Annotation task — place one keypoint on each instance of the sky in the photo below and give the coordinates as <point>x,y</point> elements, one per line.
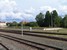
<point>26,10</point>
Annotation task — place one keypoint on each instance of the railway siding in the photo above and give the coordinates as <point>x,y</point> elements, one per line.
<point>46,41</point>
<point>3,47</point>
<point>18,31</point>
<point>30,43</point>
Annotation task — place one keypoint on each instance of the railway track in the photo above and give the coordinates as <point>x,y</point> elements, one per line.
<point>46,36</point>
<point>4,46</point>
<point>30,43</point>
<point>38,34</point>
<point>27,42</point>
<point>19,32</point>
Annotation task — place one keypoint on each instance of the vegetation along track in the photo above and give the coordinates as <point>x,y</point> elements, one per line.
<point>29,43</point>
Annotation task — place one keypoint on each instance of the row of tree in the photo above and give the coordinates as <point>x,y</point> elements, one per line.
<point>51,19</point>
<point>15,24</point>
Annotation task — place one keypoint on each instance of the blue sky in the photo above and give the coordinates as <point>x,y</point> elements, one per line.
<point>26,10</point>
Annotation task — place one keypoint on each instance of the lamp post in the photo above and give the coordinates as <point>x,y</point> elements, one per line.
<point>51,20</point>
<point>22,26</point>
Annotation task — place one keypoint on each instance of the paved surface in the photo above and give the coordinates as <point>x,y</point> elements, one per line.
<point>46,41</point>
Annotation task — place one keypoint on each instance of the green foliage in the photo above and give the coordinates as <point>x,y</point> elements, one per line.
<point>55,17</point>
<point>13,24</point>
<point>9,24</point>
<point>47,20</point>
<point>40,19</point>
<point>20,23</point>
<point>64,21</point>
<point>58,21</point>
<point>50,20</point>
<point>32,24</point>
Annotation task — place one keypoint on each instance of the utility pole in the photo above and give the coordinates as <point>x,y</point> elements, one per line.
<point>51,20</point>
<point>22,25</point>
<point>22,28</point>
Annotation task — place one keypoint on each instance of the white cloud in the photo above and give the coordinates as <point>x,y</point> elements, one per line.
<point>7,5</point>
<point>9,10</point>
<point>28,14</point>
<point>47,8</point>
<point>63,8</point>
<point>30,11</point>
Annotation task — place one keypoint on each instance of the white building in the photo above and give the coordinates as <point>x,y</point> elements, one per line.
<point>3,24</point>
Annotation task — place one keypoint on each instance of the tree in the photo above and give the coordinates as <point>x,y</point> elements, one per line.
<point>58,21</point>
<point>47,20</point>
<point>50,20</point>
<point>55,17</point>
<point>64,21</point>
<point>31,24</point>
<point>40,19</point>
<point>14,23</point>
<point>9,24</point>
<point>20,24</point>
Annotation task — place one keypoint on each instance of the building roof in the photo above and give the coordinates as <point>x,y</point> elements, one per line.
<point>2,22</point>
